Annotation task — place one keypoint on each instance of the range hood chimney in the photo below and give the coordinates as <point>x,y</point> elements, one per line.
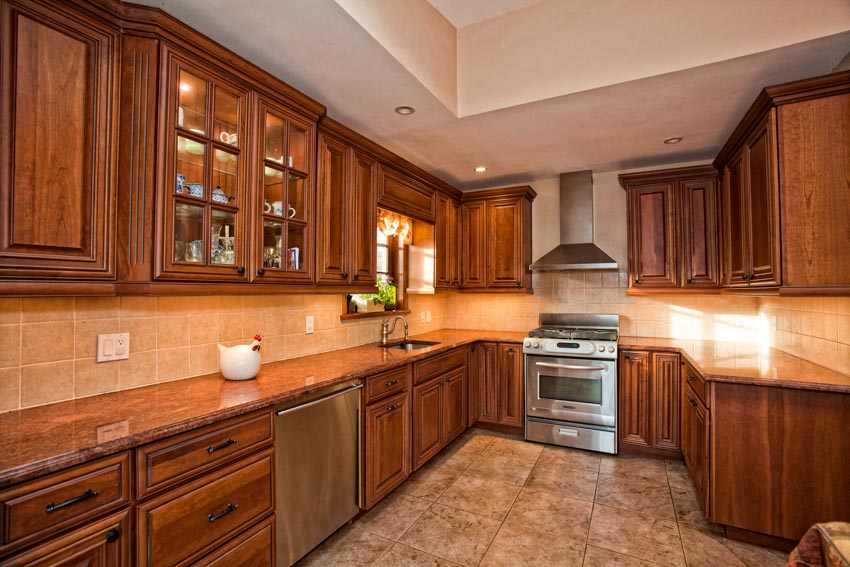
<point>577,250</point>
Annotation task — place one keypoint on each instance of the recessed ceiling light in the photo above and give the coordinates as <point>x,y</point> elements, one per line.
<point>405,110</point>
<point>480,169</point>
<point>673,140</point>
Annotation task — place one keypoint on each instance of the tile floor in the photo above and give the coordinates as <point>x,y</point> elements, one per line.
<point>492,500</point>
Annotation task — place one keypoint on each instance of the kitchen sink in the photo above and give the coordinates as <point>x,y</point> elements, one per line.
<point>409,345</point>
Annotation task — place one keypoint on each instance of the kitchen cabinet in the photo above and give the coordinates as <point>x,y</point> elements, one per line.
<point>496,239</point>
<point>439,403</point>
<point>649,402</point>
<point>454,402</point>
<point>427,421</point>
<point>387,436</point>
<point>58,90</point>
<point>695,442</point>
<point>447,235</point>
<point>485,368</point>
<point>347,211</point>
<point>672,229</point>
<point>403,194</point>
<point>511,387</point>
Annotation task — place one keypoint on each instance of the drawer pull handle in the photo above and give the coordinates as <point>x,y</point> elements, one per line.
<point>223,513</point>
<point>391,383</point>
<point>84,496</point>
<point>227,443</point>
<point>691,377</point>
<point>692,402</point>
<point>393,407</point>
<point>112,536</point>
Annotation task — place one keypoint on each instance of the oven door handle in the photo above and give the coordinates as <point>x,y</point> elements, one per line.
<point>569,366</point>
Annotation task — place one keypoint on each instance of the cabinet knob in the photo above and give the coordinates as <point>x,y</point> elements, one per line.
<point>638,280</point>
<point>691,377</point>
<point>393,407</point>
<point>356,276</point>
<point>692,402</point>
<point>690,280</point>
<point>240,270</point>
<point>112,536</point>
<point>261,272</point>
<point>345,275</point>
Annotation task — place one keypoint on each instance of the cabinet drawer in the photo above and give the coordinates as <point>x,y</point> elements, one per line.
<point>438,365</point>
<point>43,507</point>
<point>695,380</point>
<point>179,526</point>
<point>253,548</point>
<point>172,460</point>
<point>386,383</point>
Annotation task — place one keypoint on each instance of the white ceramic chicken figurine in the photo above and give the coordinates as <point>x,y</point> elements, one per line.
<point>240,362</point>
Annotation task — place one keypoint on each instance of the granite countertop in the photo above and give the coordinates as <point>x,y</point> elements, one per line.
<point>747,363</point>
<point>43,439</point>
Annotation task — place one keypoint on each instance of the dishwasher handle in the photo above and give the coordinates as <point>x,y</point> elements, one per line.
<point>318,401</point>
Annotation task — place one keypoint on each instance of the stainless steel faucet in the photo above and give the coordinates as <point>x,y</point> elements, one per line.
<point>386,331</point>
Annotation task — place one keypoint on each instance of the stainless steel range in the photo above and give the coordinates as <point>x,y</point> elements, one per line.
<point>571,381</point>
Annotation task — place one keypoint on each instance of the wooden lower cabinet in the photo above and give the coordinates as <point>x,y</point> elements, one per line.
<point>454,404</point>
<point>104,543</point>
<point>649,400</point>
<point>695,442</point>
<point>439,413</point>
<point>485,367</point>
<point>511,387</point>
<point>387,447</point>
<point>252,548</point>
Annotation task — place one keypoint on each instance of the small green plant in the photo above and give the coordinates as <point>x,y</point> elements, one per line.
<point>386,295</point>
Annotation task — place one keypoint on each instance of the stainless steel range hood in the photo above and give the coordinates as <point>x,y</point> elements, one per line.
<point>577,250</point>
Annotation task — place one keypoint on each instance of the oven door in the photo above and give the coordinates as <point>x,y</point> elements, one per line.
<point>581,390</point>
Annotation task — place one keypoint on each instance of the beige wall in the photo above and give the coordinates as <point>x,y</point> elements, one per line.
<point>49,345</point>
<point>814,328</point>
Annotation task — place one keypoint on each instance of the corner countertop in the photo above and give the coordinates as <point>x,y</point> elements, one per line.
<point>39,440</point>
<point>747,363</point>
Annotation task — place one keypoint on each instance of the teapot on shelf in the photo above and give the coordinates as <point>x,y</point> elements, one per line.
<point>240,362</point>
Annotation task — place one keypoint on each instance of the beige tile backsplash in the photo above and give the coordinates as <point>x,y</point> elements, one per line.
<point>49,344</point>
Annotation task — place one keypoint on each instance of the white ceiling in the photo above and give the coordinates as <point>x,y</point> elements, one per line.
<point>317,47</point>
<point>465,12</point>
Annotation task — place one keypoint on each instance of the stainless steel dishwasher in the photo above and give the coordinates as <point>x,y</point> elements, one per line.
<point>317,468</point>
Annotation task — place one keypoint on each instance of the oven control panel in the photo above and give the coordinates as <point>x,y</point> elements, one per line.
<point>571,347</point>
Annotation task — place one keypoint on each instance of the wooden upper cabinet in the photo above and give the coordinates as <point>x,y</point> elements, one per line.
<point>362,230</point>
<point>203,198</point>
<point>403,194</point>
<point>333,210</point>
<point>282,211</point>
<point>734,207</point>
<point>58,110</point>
<point>504,244</point>
<point>814,161</point>
<point>763,209</point>
<point>699,246</point>
<point>474,249</point>
<point>652,235</point>
<point>447,242</point>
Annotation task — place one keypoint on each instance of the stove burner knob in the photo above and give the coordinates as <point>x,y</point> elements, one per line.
<point>600,348</point>
<point>611,349</point>
<point>535,344</point>
<point>527,344</point>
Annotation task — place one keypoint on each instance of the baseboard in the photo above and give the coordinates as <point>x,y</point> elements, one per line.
<point>650,452</point>
<point>506,429</point>
<point>761,539</point>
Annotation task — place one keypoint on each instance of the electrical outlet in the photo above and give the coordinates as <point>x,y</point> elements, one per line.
<point>309,326</point>
<point>427,316</point>
<point>115,346</point>
<point>422,317</point>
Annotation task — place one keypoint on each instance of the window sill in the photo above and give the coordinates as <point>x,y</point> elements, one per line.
<point>349,316</point>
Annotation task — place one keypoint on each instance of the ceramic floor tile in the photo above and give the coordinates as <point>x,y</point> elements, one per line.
<point>348,546</point>
<point>571,458</point>
<point>598,557</point>
<point>491,498</point>
<point>452,534</point>
<point>552,513</point>
<point>677,475</point>
<point>635,494</point>
<point>561,480</point>
<point>501,467</point>
<point>639,535</point>
<point>393,515</point>
<point>687,508</point>
<point>457,457</point>
<point>634,467</point>
<point>515,448</point>
<point>706,549</point>
<point>429,482</point>
<point>475,439</point>
<point>515,545</point>
<point>402,556</point>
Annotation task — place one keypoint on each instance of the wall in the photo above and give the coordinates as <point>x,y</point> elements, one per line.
<point>50,344</point>
<point>814,328</point>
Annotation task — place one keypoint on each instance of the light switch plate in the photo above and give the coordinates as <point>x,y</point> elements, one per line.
<point>309,326</point>
<point>115,346</point>
<point>427,316</point>
<point>422,317</point>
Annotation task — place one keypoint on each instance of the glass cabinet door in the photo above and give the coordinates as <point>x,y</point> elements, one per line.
<point>286,196</point>
<point>205,187</point>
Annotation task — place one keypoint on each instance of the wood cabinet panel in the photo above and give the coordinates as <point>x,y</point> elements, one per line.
<point>405,195</point>
<point>427,421</point>
<point>104,543</point>
<point>814,161</point>
<point>362,231</point>
<point>504,244</point>
<point>387,445</point>
<point>473,388</point>
<point>699,232</point>
<point>333,208</point>
<point>58,89</point>
<point>439,364</point>
<point>212,509</point>
<point>696,381</point>
<point>454,404</point>
<point>652,236</point>
<point>763,210</point>
<point>37,509</point>
<point>736,253</point>
<point>666,401</point>
<point>634,398</point>
<point>253,548</point>
<point>487,368</point>
<point>473,257</point>
<point>447,242</point>
<point>385,384</point>
<point>511,388</point>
